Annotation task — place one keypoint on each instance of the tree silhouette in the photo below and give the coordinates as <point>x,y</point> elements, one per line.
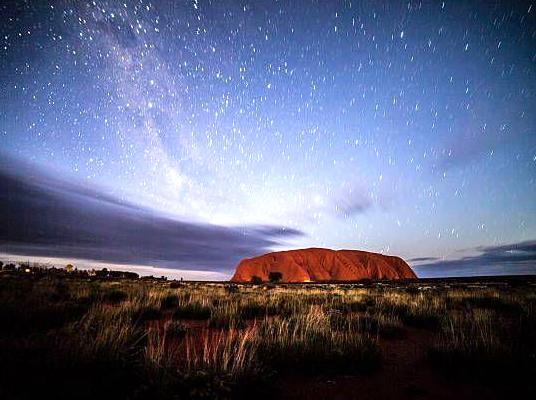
<point>275,277</point>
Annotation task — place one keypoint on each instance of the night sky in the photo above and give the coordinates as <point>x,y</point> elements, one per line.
<point>191,134</point>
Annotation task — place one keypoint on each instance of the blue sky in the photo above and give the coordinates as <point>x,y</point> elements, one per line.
<point>403,128</point>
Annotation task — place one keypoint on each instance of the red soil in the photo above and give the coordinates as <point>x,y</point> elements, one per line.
<point>309,265</point>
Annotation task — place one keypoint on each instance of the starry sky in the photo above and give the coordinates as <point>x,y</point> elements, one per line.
<point>407,128</point>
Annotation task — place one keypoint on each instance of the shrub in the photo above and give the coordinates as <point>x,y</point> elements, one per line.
<point>193,310</point>
<point>115,297</point>
<point>176,329</point>
<point>9,267</point>
<point>364,304</point>
<point>61,292</point>
<point>170,301</point>
<point>31,316</point>
<point>252,310</point>
<point>176,285</point>
<point>232,288</point>
<point>226,318</point>
<point>275,277</point>
<point>421,318</point>
<point>148,313</point>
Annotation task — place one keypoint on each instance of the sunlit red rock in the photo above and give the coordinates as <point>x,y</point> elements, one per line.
<point>316,265</point>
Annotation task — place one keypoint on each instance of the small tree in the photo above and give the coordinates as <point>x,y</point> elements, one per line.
<point>103,273</point>
<point>275,277</point>
<point>256,280</point>
<point>9,267</point>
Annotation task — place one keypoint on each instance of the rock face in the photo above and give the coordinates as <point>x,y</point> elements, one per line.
<point>314,265</point>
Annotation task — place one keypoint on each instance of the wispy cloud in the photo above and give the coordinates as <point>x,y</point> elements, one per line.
<point>349,200</point>
<point>45,216</point>
<point>423,259</point>
<point>508,259</point>
<point>354,202</point>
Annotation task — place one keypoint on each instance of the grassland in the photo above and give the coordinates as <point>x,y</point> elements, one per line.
<point>79,337</point>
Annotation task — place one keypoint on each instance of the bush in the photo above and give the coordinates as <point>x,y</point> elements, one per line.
<point>170,301</point>
<point>275,277</point>
<point>115,297</point>
<point>252,310</point>
<point>147,314</point>
<point>225,318</point>
<point>421,318</point>
<point>176,329</point>
<point>194,310</point>
<point>232,288</point>
<point>9,267</point>
<point>361,305</point>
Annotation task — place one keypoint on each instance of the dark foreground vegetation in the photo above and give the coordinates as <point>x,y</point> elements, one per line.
<point>70,335</point>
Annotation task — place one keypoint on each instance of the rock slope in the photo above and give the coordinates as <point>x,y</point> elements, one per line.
<point>316,265</point>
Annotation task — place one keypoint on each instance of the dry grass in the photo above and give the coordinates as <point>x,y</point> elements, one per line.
<point>201,339</point>
<point>232,353</point>
<point>307,343</point>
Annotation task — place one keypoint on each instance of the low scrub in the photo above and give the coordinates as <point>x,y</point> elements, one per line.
<point>307,343</point>
<point>143,339</point>
<point>170,301</point>
<point>115,296</point>
<point>194,310</point>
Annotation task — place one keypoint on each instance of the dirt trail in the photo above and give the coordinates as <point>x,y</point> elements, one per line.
<point>405,374</point>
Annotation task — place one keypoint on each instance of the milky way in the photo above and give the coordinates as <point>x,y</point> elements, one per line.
<point>406,128</point>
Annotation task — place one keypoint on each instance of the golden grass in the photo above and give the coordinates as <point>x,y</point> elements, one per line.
<point>245,332</point>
